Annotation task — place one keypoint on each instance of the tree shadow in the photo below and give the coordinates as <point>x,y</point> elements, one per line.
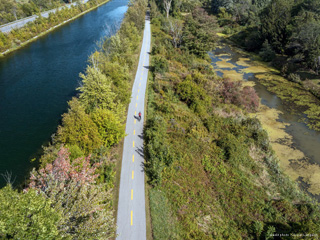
<point>140,151</point>
<point>141,136</point>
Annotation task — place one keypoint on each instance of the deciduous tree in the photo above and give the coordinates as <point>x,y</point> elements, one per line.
<point>167,6</point>
<point>78,128</point>
<point>27,215</point>
<point>85,206</point>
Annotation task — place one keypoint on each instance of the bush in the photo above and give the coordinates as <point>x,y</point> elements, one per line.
<point>293,77</point>
<point>230,91</point>
<point>249,99</point>
<point>267,53</point>
<point>158,153</point>
<point>160,64</point>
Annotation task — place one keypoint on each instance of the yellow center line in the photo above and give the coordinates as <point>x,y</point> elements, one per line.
<point>133,158</point>
<point>135,121</point>
<point>139,84</point>
<point>136,104</point>
<point>137,97</point>
<point>138,90</point>
<point>131,218</point>
<point>141,78</point>
<point>133,143</point>
<point>131,194</point>
<point>132,174</point>
<point>135,112</point>
<point>134,132</point>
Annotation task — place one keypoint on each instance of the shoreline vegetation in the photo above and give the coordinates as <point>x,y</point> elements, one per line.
<point>18,38</point>
<point>11,10</point>
<point>211,169</point>
<point>71,194</point>
<point>291,92</point>
<point>295,163</point>
<point>283,33</point>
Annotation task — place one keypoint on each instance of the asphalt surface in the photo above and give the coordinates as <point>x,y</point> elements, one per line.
<point>21,22</point>
<point>131,220</point>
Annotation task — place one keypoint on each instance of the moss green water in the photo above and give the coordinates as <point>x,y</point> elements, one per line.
<point>285,105</point>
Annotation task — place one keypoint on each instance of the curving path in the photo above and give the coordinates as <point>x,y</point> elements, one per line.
<point>131,220</point>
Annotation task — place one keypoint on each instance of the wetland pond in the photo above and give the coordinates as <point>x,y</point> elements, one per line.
<point>296,145</point>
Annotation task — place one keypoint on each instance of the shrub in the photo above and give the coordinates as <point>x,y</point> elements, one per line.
<point>267,53</point>
<point>230,91</point>
<point>192,93</point>
<point>249,99</point>
<point>293,77</point>
<point>158,155</point>
<point>160,64</point>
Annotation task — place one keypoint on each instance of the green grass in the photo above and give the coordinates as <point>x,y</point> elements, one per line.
<point>164,224</point>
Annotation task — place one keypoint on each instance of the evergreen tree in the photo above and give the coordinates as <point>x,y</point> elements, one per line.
<point>275,23</point>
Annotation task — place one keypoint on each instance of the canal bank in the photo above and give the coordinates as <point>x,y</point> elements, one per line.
<point>37,81</point>
<point>295,144</point>
<point>16,47</point>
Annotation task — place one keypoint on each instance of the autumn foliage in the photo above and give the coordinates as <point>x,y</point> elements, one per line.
<point>62,170</point>
<point>246,97</point>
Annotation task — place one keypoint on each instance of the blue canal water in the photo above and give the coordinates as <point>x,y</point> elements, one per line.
<point>36,83</point>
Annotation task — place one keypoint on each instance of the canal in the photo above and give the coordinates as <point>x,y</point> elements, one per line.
<point>37,81</point>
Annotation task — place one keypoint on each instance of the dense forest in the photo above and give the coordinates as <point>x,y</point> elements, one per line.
<point>283,32</point>
<point>71,196</point>
<point>211,169</point>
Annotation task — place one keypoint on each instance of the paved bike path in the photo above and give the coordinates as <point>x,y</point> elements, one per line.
<point>131,220</point>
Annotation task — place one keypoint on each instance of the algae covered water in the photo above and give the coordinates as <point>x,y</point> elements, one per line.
<point>295,144</point>
<point>37,81</point>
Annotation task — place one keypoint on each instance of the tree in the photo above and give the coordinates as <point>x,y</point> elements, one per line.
<point>85,206</point>
<point>78,128</point>
<point>96,91</point>
<point>119,74</point>
<point>27,215</point>
<point>199,33</point>
<point>175,27</point>
<point>308,38</point>
<point>167,6</point>
<point>241,10</point>
<point>109,126</point>
<point>62,170</point>
<point>267,54</point>
<point>275,23</point>
<point>217,4</point>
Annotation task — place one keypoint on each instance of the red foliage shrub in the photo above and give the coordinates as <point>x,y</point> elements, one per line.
<point>62,171</point>
<point>249,99</point>
<point>232,93</point>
